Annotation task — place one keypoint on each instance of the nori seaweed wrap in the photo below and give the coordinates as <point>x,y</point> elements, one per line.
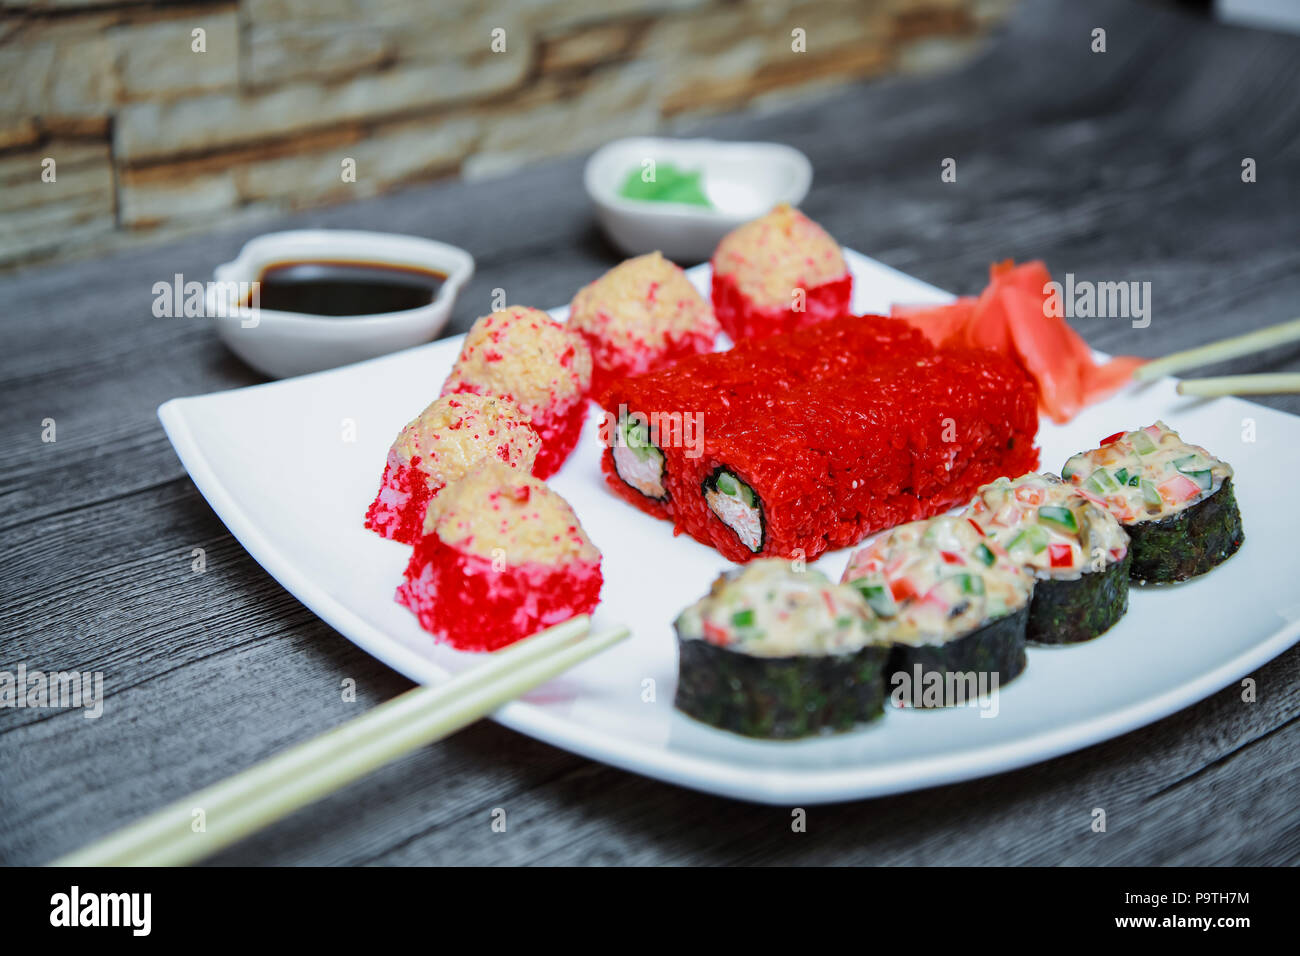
<point>1076,551</point>
<point>778,653</point>
<point>954,605</point>
<point>1174,499</point>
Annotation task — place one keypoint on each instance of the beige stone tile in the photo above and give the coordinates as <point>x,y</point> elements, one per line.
<point>278,52</point>
<point>148,131</point>
<point>157,60</point>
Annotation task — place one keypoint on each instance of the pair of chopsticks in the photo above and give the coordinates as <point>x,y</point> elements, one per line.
<point>268,791</point>
<point>1251,342</point>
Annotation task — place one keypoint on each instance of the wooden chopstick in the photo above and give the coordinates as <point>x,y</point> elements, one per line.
<point>1271,383</point>
<point>1220,351</point>
<point>274,788</point>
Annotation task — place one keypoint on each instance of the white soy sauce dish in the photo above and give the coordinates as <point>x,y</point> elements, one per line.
<point>279,342</point>
<point>742,181</point>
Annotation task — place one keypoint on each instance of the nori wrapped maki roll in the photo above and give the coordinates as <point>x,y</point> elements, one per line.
<point>778,653</point>
<point>1175,500</point>
<point>1076,551</point>
<point>954,605</point>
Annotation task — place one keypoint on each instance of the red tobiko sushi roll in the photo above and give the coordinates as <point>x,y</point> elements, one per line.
<point>639,316</point>
<point>544,368</point>
<point>502,557</point>
<point>776,274</point>
<point>448,438</point>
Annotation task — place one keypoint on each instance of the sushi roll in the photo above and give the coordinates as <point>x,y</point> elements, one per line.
<point>448,438</point>
<point>718,386</point>
<point>778,653</point>
<point>1075,550</point>
<point>1175,500</point>
<point>954,605</point>
<point>639,316</point>
<point>527,357</point>
<point>778,273</point>
<point>811,440</point>
<point>502,556</point>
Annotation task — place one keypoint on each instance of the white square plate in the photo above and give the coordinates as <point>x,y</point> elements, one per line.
<point>276,464</point>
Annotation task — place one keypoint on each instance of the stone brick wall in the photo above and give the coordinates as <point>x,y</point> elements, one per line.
<point>122,119</point>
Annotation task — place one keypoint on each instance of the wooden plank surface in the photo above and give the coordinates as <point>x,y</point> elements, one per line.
<point>1117,166</point>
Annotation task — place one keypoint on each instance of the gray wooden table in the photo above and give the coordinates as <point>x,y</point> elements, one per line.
<point>1117,166</point>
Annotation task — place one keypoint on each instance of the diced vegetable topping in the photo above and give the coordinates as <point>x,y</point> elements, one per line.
<point>930,581</point>
<point>1178,489</point>
<point>1069,521</point>
<point>1031,538</point>
<point>1061,555</point>
<point>1062,518</point>
<point>1145,465</point>
<point>880,600</point>
<point>1149,493</point>
<point>1100,482</point>
<point>769,609</point>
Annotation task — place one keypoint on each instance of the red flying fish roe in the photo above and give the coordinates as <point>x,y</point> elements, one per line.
<point>448,438</point>
<point>502,557</point>
<point>639,316</point>
<point>720,384</point>
<point>526,356</point>
<point>840,430</point>
<point>758,267</point>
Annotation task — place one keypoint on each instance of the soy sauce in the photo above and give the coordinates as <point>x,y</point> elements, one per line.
<point>345,288</point>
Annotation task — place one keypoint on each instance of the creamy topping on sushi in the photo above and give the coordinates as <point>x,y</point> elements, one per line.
<point>774,255</point>
<point>767,609</point>
<point>933,581</point>
<point>1048,526</point>
<point>457,431</point>
<point>1146,475</point>
<point>494,507</point>
<point>524,355</point>
<point>637,309</point>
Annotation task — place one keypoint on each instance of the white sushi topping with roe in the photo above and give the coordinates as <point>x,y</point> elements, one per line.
<point>931,582</point>
<point>1048,526</point>
<point>768,609</point>
<point>1146,475</point>
<point>524,355</point>
<point>639,308</point>
<point>499,513</point>
<point>457,431</point>
<point>772,256</point>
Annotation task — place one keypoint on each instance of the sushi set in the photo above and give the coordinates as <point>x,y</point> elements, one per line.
<point>841,543</point>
